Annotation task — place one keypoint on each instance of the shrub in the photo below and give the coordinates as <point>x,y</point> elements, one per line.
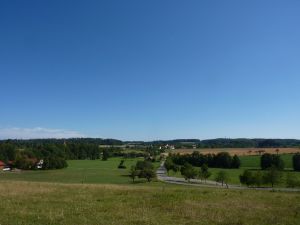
<point>121,165</point>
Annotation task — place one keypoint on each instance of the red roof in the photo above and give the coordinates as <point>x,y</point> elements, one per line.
<point>2,163</point>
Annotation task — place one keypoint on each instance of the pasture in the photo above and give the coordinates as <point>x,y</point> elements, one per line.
<point>26,203</point>
<point>79,171</point>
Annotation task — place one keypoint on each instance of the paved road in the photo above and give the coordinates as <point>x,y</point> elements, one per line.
<point>162,176</point>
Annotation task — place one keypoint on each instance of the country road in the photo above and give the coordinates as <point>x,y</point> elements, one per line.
<point>162,176</point>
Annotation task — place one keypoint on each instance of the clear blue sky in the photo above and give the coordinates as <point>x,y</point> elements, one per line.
<point>144,70</point>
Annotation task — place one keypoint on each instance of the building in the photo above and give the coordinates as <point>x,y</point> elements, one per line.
<point>2,165</point>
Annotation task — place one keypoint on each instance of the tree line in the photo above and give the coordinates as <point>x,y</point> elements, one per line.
<point>220,160</point>
<point>178,143</point>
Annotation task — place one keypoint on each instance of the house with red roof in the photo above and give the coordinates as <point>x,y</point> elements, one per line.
<point>2,165</point>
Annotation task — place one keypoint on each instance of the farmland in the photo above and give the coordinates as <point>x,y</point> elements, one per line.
<point>96,192</point>
<point>239,151</point>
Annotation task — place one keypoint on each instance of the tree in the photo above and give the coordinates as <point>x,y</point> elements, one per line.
<point>296,162</point>
<point>278,162</point>
<point>258,179</point>
<point>236,163</point>
<point>169,164</point>
<point>175,168</point>
<point>268,160</point>
<point>272,176</point>
<point>223,160</point>
<point>204,173</point>
<point>222,177</point>
<point>133,173</point>
<point>188,172</point>
<point>145,169</point>
<point>147,173</point>
<point>105,155</point>
<point>249,178</point>
<point>141,165</point>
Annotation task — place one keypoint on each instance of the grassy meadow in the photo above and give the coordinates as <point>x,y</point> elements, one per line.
<point>26,203</point>
<point>97,192</point>
<point>79,171</point>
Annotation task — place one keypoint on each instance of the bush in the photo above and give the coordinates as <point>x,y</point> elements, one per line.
<point>121,165</point>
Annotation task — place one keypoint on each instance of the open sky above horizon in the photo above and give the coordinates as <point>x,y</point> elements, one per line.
<point>148,70</point>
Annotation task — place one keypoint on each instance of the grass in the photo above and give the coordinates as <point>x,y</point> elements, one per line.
<point>61,204</point>
<point>79,171</point>
<point>254,161</point>
<point>96,192</point>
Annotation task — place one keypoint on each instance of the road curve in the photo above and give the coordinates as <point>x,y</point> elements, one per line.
<point>161,174</point>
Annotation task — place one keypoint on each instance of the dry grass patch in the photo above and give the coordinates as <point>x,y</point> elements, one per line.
<point>239,151</point>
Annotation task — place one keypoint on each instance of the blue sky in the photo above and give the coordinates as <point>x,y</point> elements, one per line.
<point>147,70</point>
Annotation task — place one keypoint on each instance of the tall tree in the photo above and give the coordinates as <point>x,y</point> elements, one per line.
<point>204,173</point>
<point>236,162</point>
<point>188,172</point>
<point>272,176</point>
<point>133,173</point>
<point>222,177</point>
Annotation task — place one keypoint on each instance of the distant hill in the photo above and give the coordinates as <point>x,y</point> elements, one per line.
<point>210,143</point>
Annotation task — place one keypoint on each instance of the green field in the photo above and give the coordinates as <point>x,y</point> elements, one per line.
<point>254,161</point>
<point>96,192</point>
<point>79,171</point>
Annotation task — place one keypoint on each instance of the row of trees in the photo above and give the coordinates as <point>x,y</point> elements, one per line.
<point>271,176</point>
<point>189,172</point>
<point>220,160</point>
